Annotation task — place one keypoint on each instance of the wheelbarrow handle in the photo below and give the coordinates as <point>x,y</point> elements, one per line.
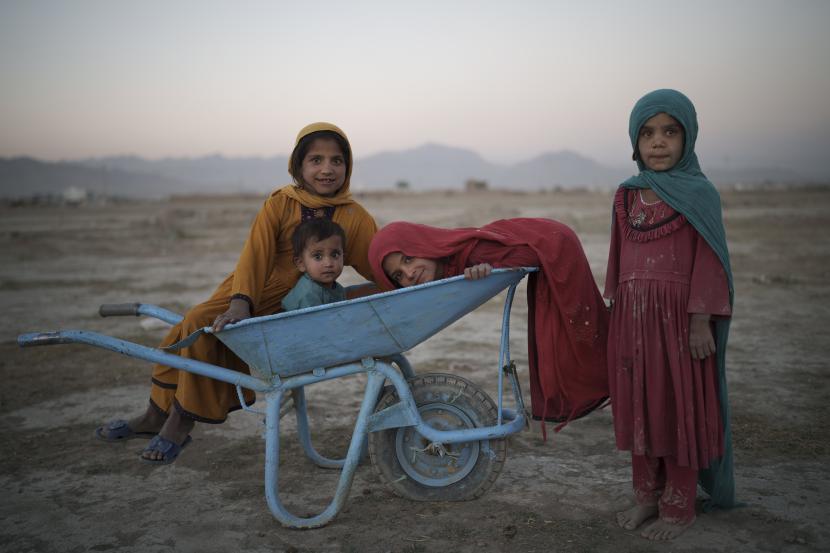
<point>138,309</point>
<point>41,339</point>
<point>119,309</point>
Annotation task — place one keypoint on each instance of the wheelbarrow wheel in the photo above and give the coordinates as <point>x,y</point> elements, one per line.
<point>416,469</point>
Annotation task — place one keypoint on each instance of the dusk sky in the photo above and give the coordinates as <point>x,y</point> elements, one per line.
<point>509,80</point>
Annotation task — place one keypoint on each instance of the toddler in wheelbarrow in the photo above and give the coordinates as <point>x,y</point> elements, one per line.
<point>433,436</point>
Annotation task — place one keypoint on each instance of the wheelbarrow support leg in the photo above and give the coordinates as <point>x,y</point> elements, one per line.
<point>272,457</point>
<point>304,433</point>
<point>304,428</point>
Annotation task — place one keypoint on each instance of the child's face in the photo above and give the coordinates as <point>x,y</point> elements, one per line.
<point>324,167</point>
<point>661,142</point>
<point>405,271</point>
<point>322,260</point>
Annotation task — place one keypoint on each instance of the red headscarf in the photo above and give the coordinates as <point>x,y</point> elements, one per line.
<point>424,241</point>
<point>568,319</point>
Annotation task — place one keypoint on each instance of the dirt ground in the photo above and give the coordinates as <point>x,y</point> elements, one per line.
<point>64,491</point>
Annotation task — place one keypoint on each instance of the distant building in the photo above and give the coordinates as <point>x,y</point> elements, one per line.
<point>475,185</point>
<point>74,195</point>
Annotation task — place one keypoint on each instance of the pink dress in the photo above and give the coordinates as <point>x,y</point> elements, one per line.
<point>660,271</point>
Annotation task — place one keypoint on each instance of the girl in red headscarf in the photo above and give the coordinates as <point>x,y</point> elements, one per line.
<point>567,317</point>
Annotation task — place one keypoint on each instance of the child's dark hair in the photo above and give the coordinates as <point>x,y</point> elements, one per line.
<point>319,229</point>
<point>301,149</point>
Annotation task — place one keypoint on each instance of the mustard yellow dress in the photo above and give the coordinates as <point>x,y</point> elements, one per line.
<point>265,273</point>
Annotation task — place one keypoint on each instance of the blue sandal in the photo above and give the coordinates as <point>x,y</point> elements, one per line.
<point>119,431</point>
<point>169,450</point>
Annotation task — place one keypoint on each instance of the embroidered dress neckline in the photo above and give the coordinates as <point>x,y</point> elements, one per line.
<point>634,226</point>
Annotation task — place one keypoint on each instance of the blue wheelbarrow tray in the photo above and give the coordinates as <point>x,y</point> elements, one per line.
<point>458,429</point>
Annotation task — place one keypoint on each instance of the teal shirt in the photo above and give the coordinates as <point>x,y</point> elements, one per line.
<point>308,293</point>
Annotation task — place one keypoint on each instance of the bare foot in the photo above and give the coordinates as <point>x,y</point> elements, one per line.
<point>144,425</point>
<point>149,421</point>
<point>633,517</point>
<point>661,530</point>
<point>176,428</point>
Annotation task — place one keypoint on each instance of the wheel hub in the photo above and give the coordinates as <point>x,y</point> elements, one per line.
<point>436,464</point>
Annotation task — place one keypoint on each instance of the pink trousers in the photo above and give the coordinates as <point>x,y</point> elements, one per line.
<point>659,481</point>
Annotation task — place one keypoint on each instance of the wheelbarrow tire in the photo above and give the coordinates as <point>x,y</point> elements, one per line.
<point>414,469</point>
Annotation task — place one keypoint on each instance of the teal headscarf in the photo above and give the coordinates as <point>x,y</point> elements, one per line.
<point>686,189</point>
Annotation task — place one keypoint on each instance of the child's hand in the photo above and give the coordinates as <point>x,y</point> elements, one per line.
<point>478,271</point>
<point>238,311</point>
<point>701,341</point>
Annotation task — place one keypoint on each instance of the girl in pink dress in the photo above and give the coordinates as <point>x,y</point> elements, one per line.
<point>670,286</point>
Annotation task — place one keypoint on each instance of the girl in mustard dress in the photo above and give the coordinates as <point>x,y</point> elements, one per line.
<point>321,165</point>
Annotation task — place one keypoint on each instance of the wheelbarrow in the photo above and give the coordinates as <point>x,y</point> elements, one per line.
<point>431,437</point>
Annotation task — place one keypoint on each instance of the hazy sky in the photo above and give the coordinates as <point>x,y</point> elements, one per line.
<point>508,79</point>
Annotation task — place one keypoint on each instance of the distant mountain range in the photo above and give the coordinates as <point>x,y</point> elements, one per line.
<point>431,166</point>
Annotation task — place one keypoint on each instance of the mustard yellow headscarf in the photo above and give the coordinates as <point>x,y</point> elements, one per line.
<point>310,199</point>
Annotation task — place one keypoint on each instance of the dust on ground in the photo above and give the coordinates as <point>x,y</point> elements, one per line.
<point>65,491</point>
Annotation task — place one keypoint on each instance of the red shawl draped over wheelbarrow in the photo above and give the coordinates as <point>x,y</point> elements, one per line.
<point>567,317</point>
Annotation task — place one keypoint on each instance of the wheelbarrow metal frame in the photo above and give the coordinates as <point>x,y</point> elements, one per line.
<point>378,370</point>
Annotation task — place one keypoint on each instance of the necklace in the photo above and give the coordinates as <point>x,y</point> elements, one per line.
<point>643,213</point>
<point>644,202</point>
